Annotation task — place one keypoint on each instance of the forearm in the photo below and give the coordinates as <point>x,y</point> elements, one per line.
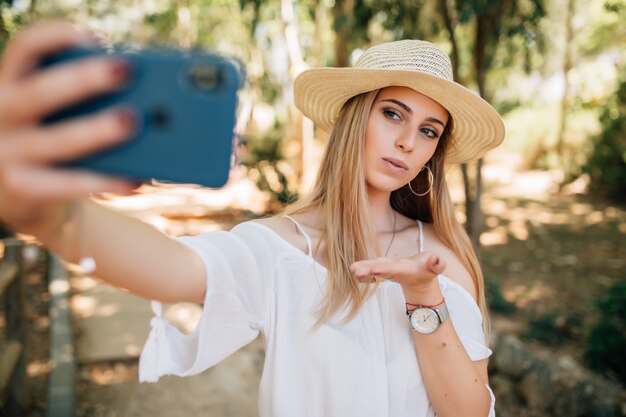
<point>128,253</point>
<point>454,384</point>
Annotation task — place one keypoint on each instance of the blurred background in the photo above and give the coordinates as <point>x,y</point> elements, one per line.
<point>546,210</point>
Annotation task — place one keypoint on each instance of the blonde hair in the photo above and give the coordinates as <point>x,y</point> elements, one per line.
<point>341,195</point>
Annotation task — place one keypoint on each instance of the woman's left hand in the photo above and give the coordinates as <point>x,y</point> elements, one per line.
<point>417,274</point>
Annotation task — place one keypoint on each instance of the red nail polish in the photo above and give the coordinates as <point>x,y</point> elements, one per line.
<point>121,71</point>
<point>127,118</point>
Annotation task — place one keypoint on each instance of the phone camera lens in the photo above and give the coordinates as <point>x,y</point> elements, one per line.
<point>203,77</point>
<point>160,117</point>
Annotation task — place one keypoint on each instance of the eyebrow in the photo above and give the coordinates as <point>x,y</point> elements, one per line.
<point>410,111</point>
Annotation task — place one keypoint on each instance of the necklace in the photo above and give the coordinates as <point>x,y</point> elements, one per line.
<point>393,236</point>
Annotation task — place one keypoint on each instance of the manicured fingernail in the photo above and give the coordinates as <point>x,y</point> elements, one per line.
<point>121,71</point>
<point>127,118</point>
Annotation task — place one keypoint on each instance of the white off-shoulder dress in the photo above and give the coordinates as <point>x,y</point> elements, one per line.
<point>259,282</point>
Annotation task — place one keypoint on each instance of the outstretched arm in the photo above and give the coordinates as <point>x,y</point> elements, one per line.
<point>40,199</point>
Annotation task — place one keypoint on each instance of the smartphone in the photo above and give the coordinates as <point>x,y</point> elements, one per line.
<point>186,103</point>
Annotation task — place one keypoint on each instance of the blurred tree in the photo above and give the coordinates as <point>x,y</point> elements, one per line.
<point>568,64</point>
<point>343,26</point>
<point>607,163</point>
<point>358,23</point>
<point>488,22</point>
<point>606,33</point>
<point>4,33</point>
<point>487,40</point>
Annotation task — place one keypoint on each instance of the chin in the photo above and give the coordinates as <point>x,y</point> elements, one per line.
<point>384,186</point>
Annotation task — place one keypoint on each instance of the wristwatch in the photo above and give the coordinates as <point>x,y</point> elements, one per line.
<point>427,319</point>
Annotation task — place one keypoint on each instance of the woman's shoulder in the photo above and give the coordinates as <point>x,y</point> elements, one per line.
<point>283,229</point>
<point>455,270</point>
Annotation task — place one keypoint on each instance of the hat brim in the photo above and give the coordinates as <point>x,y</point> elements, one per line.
<point>320,94</point>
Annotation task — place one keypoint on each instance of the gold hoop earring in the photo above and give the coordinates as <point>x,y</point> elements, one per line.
<point>431,178</point>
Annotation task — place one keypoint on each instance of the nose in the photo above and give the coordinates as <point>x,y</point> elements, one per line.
<point>406,142</point>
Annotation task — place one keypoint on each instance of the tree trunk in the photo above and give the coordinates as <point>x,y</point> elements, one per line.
<point>486,30</point>
<point>561,150</point>
<point>32,8</point>
<point>447,20</point>
<point>296,62</point>
<point>187,24</point>
<point>296,66</point>
<point>472,183</point>
<point>341,17</point>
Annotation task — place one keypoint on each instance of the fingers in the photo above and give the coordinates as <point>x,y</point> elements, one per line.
<point>29,181</point>
<point>69,140</point>
<point>383,267</point>
<point>24,52</point>
<point>43,184</point>
<point>59,87</point>
<point>436,264</point>
<point>405,270</point>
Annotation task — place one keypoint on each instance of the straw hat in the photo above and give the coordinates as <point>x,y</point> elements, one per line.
<point>320,93</point>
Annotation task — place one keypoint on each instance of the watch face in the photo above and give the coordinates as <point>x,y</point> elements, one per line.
<point>424,320</point>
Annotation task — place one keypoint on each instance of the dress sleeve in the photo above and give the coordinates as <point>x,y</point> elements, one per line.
<point>466,319</point>
<point>235,307</point>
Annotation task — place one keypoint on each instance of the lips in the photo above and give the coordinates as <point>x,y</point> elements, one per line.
<point>396,162</point>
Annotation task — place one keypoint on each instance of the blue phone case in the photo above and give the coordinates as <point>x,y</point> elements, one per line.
<point>186,102</point>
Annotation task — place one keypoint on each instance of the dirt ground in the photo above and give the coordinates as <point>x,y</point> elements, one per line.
<point>547,254</point>
<point>229,389</point>
<point>552,259</point>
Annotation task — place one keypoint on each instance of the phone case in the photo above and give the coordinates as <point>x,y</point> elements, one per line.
<point>186,102</point>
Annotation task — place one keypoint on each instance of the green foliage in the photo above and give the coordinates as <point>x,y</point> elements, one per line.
<point>605,32</point>
<point>163,23</point>
<point>496,301</point>
<point>255,7</point>
<point>9,21</point>
<point>553,328</point>
<point>606,343</point>
<point>607,163</point>
<point>615,6</point>
<point>263,157</point>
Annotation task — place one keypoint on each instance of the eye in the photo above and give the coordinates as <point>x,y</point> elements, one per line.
<point>431,133</point>
<point>391,114</point>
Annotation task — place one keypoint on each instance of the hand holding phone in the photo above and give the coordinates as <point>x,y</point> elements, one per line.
<point>185,103</point>
<point>34,191</point>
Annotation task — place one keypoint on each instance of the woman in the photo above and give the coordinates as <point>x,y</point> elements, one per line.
<point>357,318</point>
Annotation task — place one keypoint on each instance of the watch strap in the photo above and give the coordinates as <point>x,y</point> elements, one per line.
<point>442,312</point>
